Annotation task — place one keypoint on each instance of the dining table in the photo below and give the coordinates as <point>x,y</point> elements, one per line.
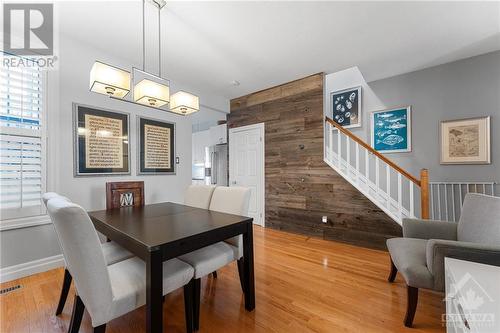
<point>162,231</point>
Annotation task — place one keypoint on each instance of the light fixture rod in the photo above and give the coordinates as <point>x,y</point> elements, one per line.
<point>143,36</point>
<point>159,40</point>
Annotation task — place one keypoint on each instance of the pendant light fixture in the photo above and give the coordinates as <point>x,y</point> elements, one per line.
<point>109,80</point>
<point>184,103</point>
<point>148,89</point>
<point>151,93</point>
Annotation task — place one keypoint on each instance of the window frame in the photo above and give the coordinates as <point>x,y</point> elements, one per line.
<point>20,219</point>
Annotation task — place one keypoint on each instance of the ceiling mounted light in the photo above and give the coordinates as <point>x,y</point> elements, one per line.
<point>115,82</point>
<point>151,93</point>
<point>184,103</point>
<point>109,80</point>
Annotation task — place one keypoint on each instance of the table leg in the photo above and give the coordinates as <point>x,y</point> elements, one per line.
<point>154,292</point>
<point>248,278</point>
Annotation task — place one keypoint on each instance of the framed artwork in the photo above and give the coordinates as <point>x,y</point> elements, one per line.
<point>101,144</point>
<point>391,130</point>
<point>466,141</point>
<point>346,107</point>
<point>156,147</point>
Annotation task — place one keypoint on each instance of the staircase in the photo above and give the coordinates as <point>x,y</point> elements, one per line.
<point>392,189</point>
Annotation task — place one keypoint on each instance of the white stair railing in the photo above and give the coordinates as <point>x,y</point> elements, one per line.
<point>447,198</point>
<point>391,188</point>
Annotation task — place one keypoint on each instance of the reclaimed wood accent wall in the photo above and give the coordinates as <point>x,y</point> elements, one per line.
<point>300,187</point>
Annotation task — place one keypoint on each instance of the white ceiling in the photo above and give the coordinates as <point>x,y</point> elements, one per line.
<point>260,44</point>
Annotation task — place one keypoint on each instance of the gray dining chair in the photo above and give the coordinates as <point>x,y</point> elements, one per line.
<point>231,200</point>
<point>112,252</point>
<point>419,254</point>
<point>108,291</point>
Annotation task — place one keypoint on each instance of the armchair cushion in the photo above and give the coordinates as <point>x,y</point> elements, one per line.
<point>480,219</point>
<point>408,255</point>
<point>438,249</point>
<point>427,229</point>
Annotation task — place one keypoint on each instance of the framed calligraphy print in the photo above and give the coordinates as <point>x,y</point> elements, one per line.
<point>156,147</point>
<point>101,141</point>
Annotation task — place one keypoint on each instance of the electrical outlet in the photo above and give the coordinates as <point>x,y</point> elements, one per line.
<point>324,219</point>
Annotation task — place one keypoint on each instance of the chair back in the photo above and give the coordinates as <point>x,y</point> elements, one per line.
<point>480,219</point>
<point>199,196</point>
<point>123,194</point>
<point>83,255</point>
<point>232,200</point>
<point>50,195</point>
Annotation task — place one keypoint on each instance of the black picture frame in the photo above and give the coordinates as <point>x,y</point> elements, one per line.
<point>345,107</point>
<point>142,122</point>
<point>81,168</point>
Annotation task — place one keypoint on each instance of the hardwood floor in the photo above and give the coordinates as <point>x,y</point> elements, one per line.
<point>302,285</point>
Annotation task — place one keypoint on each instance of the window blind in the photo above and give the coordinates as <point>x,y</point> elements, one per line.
<point>21,141</point>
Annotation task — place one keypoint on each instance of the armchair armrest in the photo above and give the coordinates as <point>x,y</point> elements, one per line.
<point>429,229</point>
<point>438,249</point>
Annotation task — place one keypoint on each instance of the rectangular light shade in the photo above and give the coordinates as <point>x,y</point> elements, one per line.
<point>184,103</point>
<point>109,80</point>
<point>151,93</point>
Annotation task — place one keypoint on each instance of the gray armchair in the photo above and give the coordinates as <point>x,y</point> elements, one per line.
<point>419,254</point>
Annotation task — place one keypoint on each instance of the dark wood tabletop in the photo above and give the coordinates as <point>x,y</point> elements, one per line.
<point>159,232</point>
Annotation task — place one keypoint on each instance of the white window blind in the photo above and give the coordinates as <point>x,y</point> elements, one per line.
<point>22,146</point>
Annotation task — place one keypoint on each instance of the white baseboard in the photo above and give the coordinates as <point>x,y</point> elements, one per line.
<point>29,268</point>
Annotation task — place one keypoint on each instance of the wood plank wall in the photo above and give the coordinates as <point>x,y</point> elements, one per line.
<point>300,187</point>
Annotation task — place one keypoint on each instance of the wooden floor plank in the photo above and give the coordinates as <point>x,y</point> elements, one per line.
<point>303,284</point>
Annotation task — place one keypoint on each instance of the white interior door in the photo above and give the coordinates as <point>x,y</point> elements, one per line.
<point>246,165</point>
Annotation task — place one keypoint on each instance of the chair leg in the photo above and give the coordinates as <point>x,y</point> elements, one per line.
<point>76,316</point>
<point>214,274</point>
<point>241,273</point>
<point>100,329</point>
<point>64,291</point>
<point>188,306</point>
<point>392,274</point>
<point>411,306</point>
<point>196,303</point>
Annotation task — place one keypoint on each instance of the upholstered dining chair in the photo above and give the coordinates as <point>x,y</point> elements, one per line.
<point>112,252</point>
<point>231,200</point>
<point>108,291</point>
<point>419,254</point>
<point>199,196</point>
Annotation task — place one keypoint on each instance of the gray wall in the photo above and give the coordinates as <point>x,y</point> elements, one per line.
<point>462,89</point>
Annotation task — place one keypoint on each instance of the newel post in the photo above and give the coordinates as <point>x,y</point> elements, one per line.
<point>424,193</point>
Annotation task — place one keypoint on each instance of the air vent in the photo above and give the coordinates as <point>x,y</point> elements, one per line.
<point>8,290</point>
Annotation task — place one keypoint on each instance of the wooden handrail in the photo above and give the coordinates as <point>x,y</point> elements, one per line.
<point>423,183</point>
<point>374,152</point>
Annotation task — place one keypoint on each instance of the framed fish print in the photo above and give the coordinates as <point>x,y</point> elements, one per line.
<point>466,141</point>
<point>346,107</point>
<point>156,147</point>
<point>101,141</point>
<point>391,130</point>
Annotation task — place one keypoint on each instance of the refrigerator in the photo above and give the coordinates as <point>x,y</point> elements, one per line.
<point>216,172</point>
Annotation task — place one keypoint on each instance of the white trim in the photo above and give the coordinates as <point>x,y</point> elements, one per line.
<point>29,268</point>
<point>24,222</point>
<point>262,129</point>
